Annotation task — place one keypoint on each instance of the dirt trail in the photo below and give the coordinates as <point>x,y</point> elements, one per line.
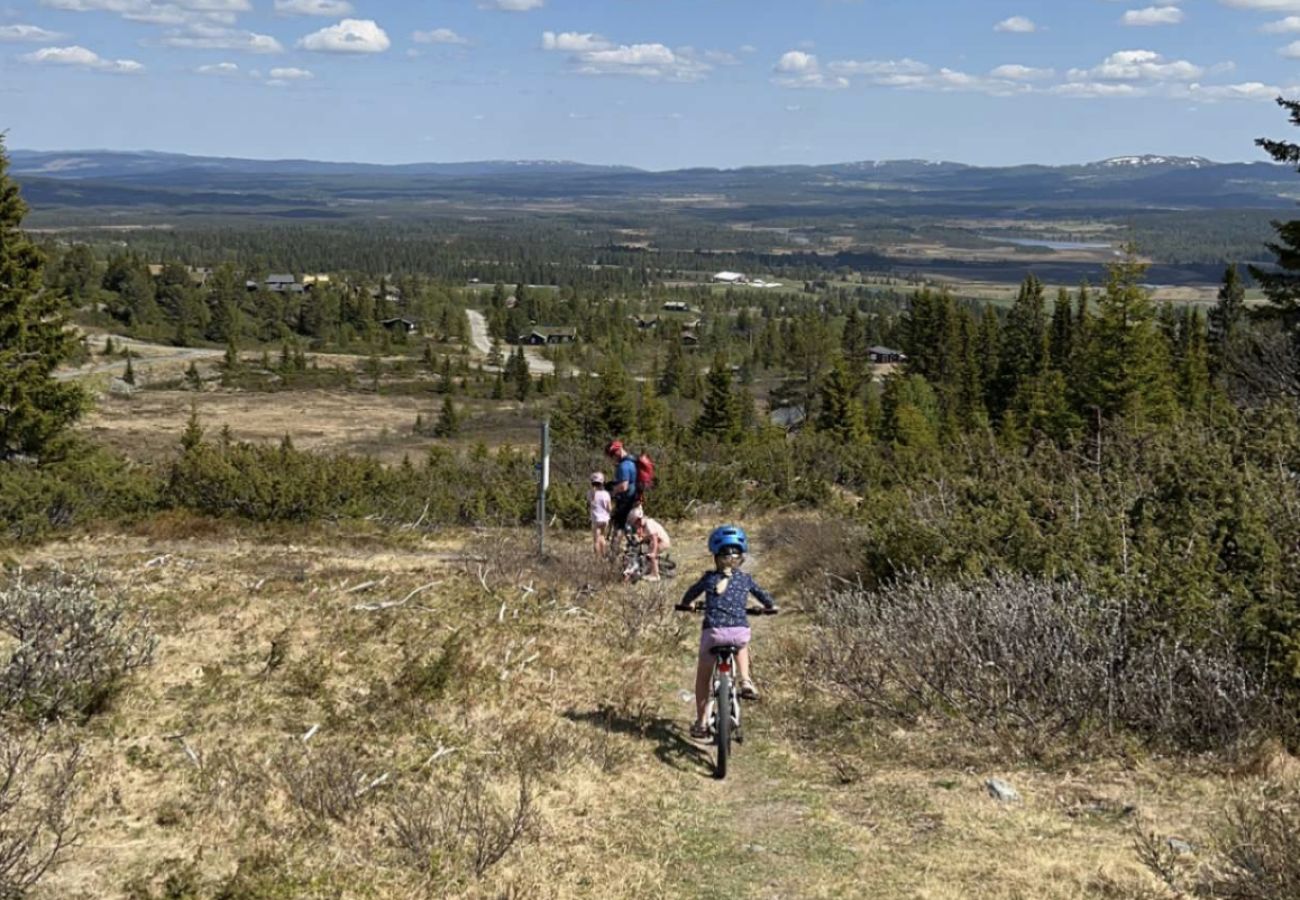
<point>609,669</point>
<point>482,341</point>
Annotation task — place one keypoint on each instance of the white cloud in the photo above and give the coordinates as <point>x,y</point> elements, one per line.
<point>797,69</point>
<point>1015,72</point>
<point>29,34</point>
<point>313,7</point>
<point>1291,50</point>
<point>1282,26</point>
<point>82,58</point>
<point>199,36</point>
<point>348,36</point>
<point>1138,65</point>
<point>438,36</point>
<point>1095,89</point>
<point>1016,25</point>
<point>1264,5</point>
<point>878,67</point>
<point>1249,90</point>
<point>591,54</point>
<point>291,73</point>
<point>574,42</point>
<point>511,5</point>
<point>160,12</point>
<point>221,68</point>
<point>1153,15</point>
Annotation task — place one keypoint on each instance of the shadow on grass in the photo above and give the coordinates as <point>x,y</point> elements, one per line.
<point>673,746</point>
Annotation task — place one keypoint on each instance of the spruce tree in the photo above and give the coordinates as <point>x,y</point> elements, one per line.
<point>1282,285</point>
<point>720,417</point>
<point>1024,343</point>
<point>1128,371</point>
<point>839,413</point>
<point>129,375</point>
<point>35,409</point>
<point>448,424</point>
<point>1227,314</point>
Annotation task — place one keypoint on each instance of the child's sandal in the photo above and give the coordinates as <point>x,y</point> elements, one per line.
<point>698,731</point>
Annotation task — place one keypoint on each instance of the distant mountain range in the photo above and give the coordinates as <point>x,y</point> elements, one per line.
<point>160,182</point>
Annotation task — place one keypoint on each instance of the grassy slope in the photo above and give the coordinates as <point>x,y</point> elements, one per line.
<point>586,679</point>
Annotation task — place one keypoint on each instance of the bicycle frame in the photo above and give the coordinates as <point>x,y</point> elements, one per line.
<point>724,663</point>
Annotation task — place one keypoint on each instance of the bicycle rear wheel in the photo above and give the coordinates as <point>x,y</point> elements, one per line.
<point>724,726</point>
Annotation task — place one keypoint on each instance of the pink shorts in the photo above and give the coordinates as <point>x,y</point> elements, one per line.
<point>735,636</point>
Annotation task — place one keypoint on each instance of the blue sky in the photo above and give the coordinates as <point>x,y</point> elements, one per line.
<point>653,83</point>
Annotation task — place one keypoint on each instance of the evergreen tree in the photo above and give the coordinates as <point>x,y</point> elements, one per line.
<point>1282,285</point>
<point>616,406</point>
<point>34,408</point>
<point>192,436</point>
<point>129,375</point>
<point>1024,343</point>
<point>1062,330</point>
<point>1194,362</point>
<point>448,424</point>
<point>1227,314</point>
<point>1128,371</point>
<point>839,412</point>
<point>720,417</point>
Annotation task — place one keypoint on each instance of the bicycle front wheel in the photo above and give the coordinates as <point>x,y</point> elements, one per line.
<point>723,697</point>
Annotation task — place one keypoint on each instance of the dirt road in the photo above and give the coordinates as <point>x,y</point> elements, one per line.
<point>478,332</point>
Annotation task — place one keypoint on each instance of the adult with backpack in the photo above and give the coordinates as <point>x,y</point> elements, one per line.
<point>633,477</point>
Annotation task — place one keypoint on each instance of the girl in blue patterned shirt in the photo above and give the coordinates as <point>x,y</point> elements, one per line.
<point>726,592</point>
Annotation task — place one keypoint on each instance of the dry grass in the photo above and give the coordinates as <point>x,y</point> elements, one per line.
<point>290,718</point>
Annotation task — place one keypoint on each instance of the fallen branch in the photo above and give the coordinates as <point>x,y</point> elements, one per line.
<point>374,607</point>
<point>366,584</point>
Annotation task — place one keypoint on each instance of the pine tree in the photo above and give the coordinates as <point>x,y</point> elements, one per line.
<point>448,424</point>
<point>1062,330</point>
<point>1282,285</point>
<point>616,405</point>
<point>129,375</point>
<point>720,417</point>
<point>839,412</point>
<point>1127,369</point>
<point>1227,314</point>
<point>192,436</point>
<point>34,408</point>
<point>1194,362</point>
<point>192,378</point>
<point>1024,343</point>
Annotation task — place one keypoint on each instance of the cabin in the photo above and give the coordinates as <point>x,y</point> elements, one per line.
<point>730,278</point>
<point>541,336</point>
<point>283,284</point>
<point>400,325</point>
<point>676,306</point>
<point>645,323</point>
<point>791,418</point>
<point>690,338</point>
<point>882,355</point>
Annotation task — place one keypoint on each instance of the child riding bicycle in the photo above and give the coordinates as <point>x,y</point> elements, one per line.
<point>726,592</point>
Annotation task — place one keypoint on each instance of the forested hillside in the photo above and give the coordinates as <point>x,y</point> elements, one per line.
<point>1055,531</point>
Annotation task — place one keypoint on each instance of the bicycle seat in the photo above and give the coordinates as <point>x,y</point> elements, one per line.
<point>724,650</point>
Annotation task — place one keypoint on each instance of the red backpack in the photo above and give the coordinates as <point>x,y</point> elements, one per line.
<point>645,473</point>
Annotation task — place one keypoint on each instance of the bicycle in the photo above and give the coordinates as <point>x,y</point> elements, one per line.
<point>725,728</point>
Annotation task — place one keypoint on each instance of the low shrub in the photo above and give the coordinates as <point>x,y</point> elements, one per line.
<point>462,829</point>
<point>38,785</point>
<point>1032,661</point>
<point>72,648</point>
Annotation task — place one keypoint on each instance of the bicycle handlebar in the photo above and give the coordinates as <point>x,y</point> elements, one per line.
<point>756,611</point>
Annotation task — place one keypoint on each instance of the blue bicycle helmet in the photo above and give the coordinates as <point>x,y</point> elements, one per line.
<point>728,536</point>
